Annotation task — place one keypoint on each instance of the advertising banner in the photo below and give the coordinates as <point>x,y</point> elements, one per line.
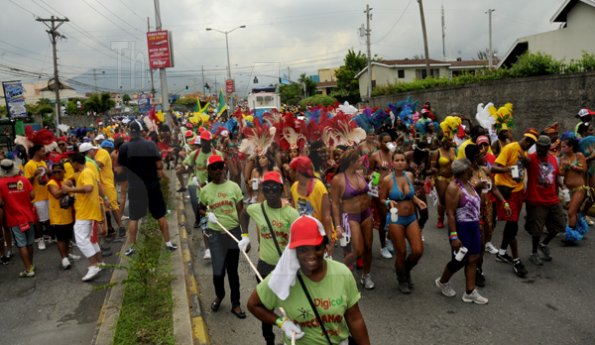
<point>14,94</point>
<point>160,49</point>
<point>230,86</point>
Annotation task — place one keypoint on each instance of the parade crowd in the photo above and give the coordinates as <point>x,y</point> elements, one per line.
<point>319,185</point>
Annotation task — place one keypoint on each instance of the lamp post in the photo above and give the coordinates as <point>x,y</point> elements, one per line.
<point>226,33</point>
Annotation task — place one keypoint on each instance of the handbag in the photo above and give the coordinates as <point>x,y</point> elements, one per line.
<point>301,280</point>
<point>66,201</point>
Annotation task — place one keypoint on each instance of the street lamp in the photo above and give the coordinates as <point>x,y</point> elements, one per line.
<point>226,33</point>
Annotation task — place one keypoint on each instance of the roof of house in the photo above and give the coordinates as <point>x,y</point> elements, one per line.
<point>469,63</point>
<point>567,6</point>
<point>326,84</point>
<point>404,63</point>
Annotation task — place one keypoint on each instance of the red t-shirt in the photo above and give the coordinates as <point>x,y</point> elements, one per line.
<point>541,180</point>
<point>16,194</point>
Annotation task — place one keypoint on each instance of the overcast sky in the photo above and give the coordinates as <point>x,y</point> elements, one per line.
<point>301,36</point>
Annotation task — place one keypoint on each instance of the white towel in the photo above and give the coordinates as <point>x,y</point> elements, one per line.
<point>284,275</point>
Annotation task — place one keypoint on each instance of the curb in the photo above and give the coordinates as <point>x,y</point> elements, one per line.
<point>200,334</point>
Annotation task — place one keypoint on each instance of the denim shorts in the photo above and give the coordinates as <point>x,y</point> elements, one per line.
<point>23,239</point>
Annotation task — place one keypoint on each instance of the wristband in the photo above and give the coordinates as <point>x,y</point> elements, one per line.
<point>279,322</point>
<point>245,234</point>
<point>453,238</point>
<point>506,204</point>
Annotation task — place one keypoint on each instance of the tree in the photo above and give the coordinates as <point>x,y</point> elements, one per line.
<point>347,85</point>
<point>42,107</point>
<point>99,103</point>
<point>72,106</point>
<point>126,98</point>
<point>308,84</point>
<point>291,93</point>
<point>185,103</point>
<point>317,100</point>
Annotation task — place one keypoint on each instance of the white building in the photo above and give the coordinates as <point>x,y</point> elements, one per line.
<point>45,89</point>
<point>575,35</point>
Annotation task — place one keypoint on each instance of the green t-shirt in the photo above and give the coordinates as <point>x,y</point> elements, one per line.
<point>200,165</point>
<point>281,219</point>
<point>332,296</point>
<point>222,199</point>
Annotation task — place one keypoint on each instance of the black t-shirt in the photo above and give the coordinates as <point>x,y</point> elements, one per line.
<point>139,157</point>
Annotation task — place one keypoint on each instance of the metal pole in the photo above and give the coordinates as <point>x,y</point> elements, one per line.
<point>230,96</point>
<point>368,47</point>
<point>202,72</point>
<point>490,51</point>
<point>423,29</point>
<point>150,70</point>
<point>443,35</point>
<point>162,72</point>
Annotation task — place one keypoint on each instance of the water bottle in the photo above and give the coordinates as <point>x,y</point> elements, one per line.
<point>460,254</point>
<point>394,215</point>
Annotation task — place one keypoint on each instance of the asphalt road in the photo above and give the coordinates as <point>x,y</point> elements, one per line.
<point>55,306</point>
<point>555,304</point>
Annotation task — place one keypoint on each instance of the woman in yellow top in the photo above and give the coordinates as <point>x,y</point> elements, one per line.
<point>61,219</point>
<point>310,196</point>
<point>441,162</point>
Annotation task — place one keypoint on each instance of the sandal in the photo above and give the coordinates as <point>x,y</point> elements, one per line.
<point>239,314</point>
<point>215,304</point>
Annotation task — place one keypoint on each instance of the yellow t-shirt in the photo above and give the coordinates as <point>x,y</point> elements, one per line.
<point>68,171</point>
<point>105,172</point>
<point>87,205</point>
<point>312,204</point>
<point>509,155</point>
<point>91,165</point>
<point>41,192</point>
<point>58,215</point>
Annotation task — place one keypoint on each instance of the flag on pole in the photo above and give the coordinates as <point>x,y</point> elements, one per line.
<point>200,109</point>
<point>221,106</point>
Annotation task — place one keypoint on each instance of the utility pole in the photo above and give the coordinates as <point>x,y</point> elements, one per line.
<point>150,70</point>
<point>443,34</point>
<point>490,51</point>
<point>202,72</point>
<point>368,32</point>
<point>95,79</point>
<point>162,73</point>
<point>423,30</point>
<point>52,31</point>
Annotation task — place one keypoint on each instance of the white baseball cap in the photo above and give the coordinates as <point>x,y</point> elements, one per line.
<point>85,147</point>
<point>100,137</point>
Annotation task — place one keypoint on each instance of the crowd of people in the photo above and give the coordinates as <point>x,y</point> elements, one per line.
<point>319,187</point>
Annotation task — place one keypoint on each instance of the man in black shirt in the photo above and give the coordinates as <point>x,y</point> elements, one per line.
<point>143,164</point>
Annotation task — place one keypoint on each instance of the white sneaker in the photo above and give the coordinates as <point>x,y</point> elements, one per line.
<point>41,244</point>
<point>389,246</point>
<point>490,248</point>
<point>385,253</point>
<point>207,255</point>
<point>74,257</point>
<point>474,297</point>
<point>65,263</point>
<point>445,288</point>
<point>423,239</point>
<point>91,273</point>
<point>367,281</point>
<point>125,217</point>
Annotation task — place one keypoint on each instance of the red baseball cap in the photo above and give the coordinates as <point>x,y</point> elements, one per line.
<point>302,165</point>
<point>205,135</point>
<point>482,139</point>
<point>188,134</point>
<point>306,231</point>
<point>214,159</point>
<point>272,176</point>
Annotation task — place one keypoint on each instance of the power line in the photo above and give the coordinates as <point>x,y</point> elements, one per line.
<point>24,9</point>
<point>139,17</point>
<point>117,16</point>
<point>106,17</point>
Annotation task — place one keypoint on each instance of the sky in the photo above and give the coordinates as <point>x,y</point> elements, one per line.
<point>105,44</point>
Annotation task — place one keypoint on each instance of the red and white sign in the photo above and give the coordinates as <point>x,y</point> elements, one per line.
<point>230,86</point>
<point>160,49</point>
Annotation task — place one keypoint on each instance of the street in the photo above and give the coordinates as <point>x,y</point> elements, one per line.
<point>553,305</point>
<point>55,306</point>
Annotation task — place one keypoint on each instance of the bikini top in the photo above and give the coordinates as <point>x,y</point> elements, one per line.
<point>350,191</point>
<point>469,204</point>
<point>443,160</point>
<point>395,192</point>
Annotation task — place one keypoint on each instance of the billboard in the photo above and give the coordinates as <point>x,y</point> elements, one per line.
<point>14,93</point>
<point>159,44</point>
<point>230,86</point>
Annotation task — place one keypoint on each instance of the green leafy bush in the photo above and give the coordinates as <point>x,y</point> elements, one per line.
<point>318,100</point>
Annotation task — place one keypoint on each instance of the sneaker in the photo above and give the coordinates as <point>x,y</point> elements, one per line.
<point>171,247</point>
<point>534,259</point>
<point>196,224</point>
<point>404,288</point>
<point>507,259</point>
<point>129,251</point>
<point>41,244</point>
<point>92,272</point>
<point>367,282</point>
<point>389,246</point>
<point>65,263</point>
<point>74,257</point>
<point>474,297</point>
<point>423,239</point>
<point>490,248</point>
<point>480,279</point>
<point>124,217</point>
<point>385,253</point>
<point>545,251</point>
<point>5,260</point>
<point>440,224</point>
<point>519,269</point>
<point>445,288</point>
<point>207,255</point>
<point>28,274</point>
<point>9,253</point>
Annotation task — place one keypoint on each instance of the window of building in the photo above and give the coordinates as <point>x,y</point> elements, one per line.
<point>401,73</point>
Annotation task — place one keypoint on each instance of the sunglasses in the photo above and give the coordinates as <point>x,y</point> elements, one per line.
<point>305,249</point>
<point>216,166</point>
<point>268,188</point>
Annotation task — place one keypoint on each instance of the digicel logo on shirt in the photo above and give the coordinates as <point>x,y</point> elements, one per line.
<point>15,186</point>
<point>327,303</point>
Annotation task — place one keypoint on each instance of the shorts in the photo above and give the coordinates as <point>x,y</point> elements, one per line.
<point>551,217</point>
<point>515,201</point>
<point>470,236</point>
<point>139,199</point>
<point>358,217</point>
<point>63,231</point>
<point>23,239</point>
<point>42,210</point>
<point>405,221</point>
<point>112,196</point>
<point>85,237</point>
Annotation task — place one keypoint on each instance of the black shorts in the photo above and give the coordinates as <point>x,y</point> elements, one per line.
<point>150,197</point>
<point>63,231</point>
<point>121,177</point>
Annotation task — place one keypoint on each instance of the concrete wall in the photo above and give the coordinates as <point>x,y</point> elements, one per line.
<point>537,101</point>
